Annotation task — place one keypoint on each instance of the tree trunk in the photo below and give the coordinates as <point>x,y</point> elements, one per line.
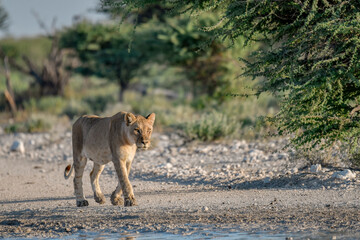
<point>123,87</point>
<point>121,94</point>
<point>9,93</point>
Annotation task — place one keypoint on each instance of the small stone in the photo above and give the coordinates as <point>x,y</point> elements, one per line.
<point>17,146</point>
<point>171,160</point>
<point>267,180</point>
<point>205,149</point>
<point>346,174</point>
<point>205,209</point>
<point>168,165</point>
<point>315,168</point>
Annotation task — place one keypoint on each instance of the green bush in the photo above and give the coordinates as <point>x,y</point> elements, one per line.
<point>52,105</point>
<point>29,126</point>
<point>76,109</point>
<point>211,127</point>
<point>98,103</point>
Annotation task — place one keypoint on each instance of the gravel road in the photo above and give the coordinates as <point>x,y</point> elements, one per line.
<point>180,187</point>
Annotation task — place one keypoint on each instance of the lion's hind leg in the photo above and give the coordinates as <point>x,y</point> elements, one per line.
<point>94,177</point>
<point>79,166</point>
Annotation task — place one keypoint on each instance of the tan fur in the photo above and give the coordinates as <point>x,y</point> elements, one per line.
<point>103,140</point>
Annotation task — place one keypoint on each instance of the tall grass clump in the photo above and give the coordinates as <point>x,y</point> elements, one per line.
<point>212,126</point>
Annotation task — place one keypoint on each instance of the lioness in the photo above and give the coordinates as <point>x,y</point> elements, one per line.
<point>103,140</point>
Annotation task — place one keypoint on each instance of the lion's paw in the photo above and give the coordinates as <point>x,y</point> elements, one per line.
<point>130,201</point>
<point>82,203</point>
<point>99,198</point>
<point>116,200</point>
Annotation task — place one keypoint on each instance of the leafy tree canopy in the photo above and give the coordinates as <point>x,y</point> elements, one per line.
<point>173,41</point>
<point>311,62</point>
<point>103,51</point>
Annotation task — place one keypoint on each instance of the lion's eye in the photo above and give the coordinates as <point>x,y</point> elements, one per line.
<point>137,130</point>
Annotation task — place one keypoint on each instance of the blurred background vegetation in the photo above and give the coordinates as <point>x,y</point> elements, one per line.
<point>151,62</point>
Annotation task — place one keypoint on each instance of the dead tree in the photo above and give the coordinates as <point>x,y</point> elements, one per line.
<point>9,93</point>
<point>52,77</point>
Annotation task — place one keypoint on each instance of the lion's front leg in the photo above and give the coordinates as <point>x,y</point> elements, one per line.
<point>122,172</point>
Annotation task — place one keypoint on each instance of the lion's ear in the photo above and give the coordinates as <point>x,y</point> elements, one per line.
<point>151,118</point>
<point>129,118</point>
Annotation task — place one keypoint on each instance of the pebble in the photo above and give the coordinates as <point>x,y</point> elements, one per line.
<point>267,180</point>
<point>168,165</point>
<point>205,209</point>
<point>315,168</point>
<point>17,146</point>
<point>346,174</point>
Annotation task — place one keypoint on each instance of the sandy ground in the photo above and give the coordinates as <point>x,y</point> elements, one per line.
<point>231,193</point>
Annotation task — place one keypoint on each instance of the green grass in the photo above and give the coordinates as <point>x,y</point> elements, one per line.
<point>212,126</point>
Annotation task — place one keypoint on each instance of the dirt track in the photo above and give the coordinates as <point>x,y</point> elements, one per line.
<point>180,189</point>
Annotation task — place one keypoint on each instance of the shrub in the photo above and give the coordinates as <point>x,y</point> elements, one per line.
<point>98,103</point>
<point>211,126</point>
<point>76,108</point>
<point>29,126</point>
<point>52,105</point>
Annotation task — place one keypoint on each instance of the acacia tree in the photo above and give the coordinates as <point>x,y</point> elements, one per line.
<point>208,68</point>
<point>311,63</point>
<point>104,52</point>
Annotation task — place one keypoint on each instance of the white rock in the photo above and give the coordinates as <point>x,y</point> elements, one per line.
<point>344,175</point>
<point>315,168</point>
<point>17,146</point>
<point>205,150</point>
<point>205,209</point>
<point>168,165</point>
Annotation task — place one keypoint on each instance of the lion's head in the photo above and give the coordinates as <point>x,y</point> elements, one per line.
<point>140,129</point>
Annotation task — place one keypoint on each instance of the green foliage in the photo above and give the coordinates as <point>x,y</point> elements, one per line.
<point>36,47</point>
<point>207,63</point>
<point>168,113</point>
<point>3,18</point>
<point>98,103</point>
<point>212,126</point>
<point>29,126</point>
<point>76,109</point>
<point>311,62</point>
<point>53,105</point>
<point>103,51</point>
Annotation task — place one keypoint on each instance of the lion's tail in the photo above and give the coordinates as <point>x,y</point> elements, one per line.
<point>68,171</point>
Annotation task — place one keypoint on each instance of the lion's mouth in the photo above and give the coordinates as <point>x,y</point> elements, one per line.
<point>143,147</point>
